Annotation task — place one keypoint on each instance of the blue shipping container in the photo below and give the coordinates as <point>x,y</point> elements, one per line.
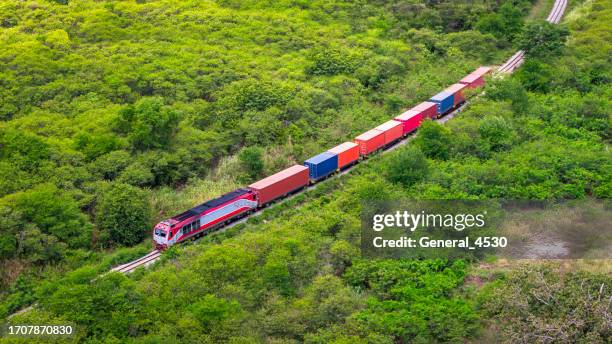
<point>321,165</point>
<point>444,100</point>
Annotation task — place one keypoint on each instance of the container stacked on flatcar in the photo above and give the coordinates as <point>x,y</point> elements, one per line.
<point>280,184</point>
<point>444,101</point>
<point>457,91</point>
<point>392,130</point>
<point>321,165</point>
<point>411,121</point>
<point>476,78</point>
<point>348,154</point>
<point>370,141</point>
<point>427,109</point>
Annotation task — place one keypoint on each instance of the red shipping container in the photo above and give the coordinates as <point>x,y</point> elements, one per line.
<point>457,91</point>
<point>393,130</point>
<point>280,184</point>
<point>476,78</point>
<point>370,141</point>
<point>411,120</point>
<point>427,109</point>
<point>347,153</point>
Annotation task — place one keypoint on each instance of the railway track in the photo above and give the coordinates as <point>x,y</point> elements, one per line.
<point>554,17</point>
<point>509,66</point>
<point>143,261</point>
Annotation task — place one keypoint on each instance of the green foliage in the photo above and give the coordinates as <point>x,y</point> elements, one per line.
<point>210,310</point>
<point>413,300</point>
<point>23,149</point>
<point>148,123</point>
<point>509,89</point>
<point>434,140</point>
<point>506,23</point>
<point>104,305</point>
<point>123,215</point>
<point>535,76</point>
<point>331,61</point>
<point>497,132</point>
<point>55,213</point>
<point>408,167</point>
<point>542,39</point>
<point>252,162</point>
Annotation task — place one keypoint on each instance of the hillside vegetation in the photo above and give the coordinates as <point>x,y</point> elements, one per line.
<point>105,104</point>
<point>294,274</point>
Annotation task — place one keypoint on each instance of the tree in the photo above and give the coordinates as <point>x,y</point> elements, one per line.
<point>211,310</point>
<point>509,89</point>
<point>330,61</point>
<point>506,23</point>
<point>123,215</point>
<point>497,131</point>
<point>252,162</point>
<point>542,39</point>
<point>408,167</point>
<point>148,123</point>
<point>434,140</point>
<point>535,76</point>
<point>55,213</point>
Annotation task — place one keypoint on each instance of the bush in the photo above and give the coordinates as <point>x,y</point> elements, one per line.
<point>252,162</point>
<point>434,140</point>
<point>123,215</point>
<point>148,123</point>
<point>542,39</point>
<point>330,61</point>
<point>497,132</point>
<point>408,167</point>
<point>55,213</point>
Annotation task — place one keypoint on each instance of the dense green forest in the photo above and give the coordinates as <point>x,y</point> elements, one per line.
<point>105,113</point>
<point>107,104</point>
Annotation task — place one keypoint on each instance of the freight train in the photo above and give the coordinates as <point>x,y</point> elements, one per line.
<point>212,215</point>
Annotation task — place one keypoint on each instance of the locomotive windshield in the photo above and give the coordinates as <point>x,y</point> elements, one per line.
<point>160,232</point>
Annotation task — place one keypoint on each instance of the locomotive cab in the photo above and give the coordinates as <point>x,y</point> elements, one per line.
<point>161,232</point>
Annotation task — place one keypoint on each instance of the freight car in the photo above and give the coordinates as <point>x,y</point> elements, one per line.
<point>280,184</point>
<point>457,91</point>
<point>392,130</point>
<point>476,78</point>
<point>348,154</point>
<point>321,166</point>
<point>213,214</point>
<point>370,141</point>
<point>444,101</point>
<point>411,121</point>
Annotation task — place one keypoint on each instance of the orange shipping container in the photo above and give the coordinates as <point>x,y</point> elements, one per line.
<point>280,184</point>
<point>457,91</point>
<point>370,141</point>
<point>393,130</point>
<point>347,153</point>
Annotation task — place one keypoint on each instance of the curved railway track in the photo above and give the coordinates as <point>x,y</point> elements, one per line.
<point>554,17</point>
<point>509,66</point>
